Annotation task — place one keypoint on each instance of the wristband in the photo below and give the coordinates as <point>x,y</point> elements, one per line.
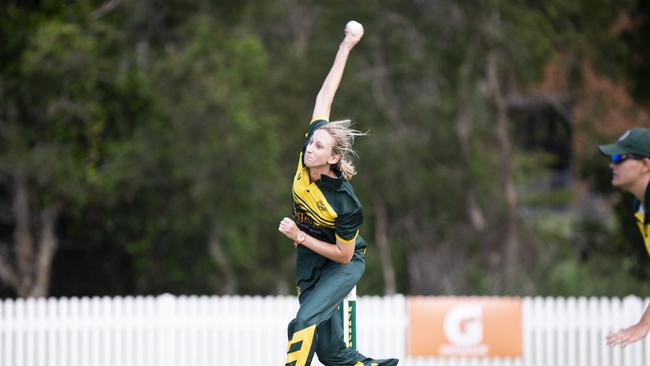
<point>300,237</point>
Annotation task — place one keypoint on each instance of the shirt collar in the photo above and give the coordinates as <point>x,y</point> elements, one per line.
<point>333,183</point>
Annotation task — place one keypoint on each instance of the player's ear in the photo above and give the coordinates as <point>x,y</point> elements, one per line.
<point>646,164</point>
<point>334,159</point>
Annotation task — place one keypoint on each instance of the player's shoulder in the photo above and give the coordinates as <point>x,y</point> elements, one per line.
<point>348,200</point>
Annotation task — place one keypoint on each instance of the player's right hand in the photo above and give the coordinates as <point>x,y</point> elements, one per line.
<point>628,335</point>
<point>350,39</point>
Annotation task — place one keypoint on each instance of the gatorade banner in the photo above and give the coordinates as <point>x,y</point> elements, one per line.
<point>465,326</point>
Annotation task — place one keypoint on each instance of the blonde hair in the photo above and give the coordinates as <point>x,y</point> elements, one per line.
<point>344,135</point>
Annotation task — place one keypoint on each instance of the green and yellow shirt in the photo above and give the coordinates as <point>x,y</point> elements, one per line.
<point>326,209</point>
<point>642,215</point>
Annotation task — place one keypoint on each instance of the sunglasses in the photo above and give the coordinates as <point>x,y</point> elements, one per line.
<point>620,158</point>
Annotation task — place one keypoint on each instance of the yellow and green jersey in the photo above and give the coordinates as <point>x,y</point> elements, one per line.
<point>328,208</point>
<point>643,220</point>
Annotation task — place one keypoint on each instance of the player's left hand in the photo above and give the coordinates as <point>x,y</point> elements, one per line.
<point>628,335</point>
<point>289,228</point>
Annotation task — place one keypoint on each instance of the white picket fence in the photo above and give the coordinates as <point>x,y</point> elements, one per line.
<point>240,330</point>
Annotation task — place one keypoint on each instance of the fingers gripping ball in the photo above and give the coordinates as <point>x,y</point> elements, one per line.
<point>354,28</point>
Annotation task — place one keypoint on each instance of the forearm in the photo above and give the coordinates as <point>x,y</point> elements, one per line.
<point>327,91</point>
<point>645,319</point>
<point>325,96</point>
<point>334,252</point>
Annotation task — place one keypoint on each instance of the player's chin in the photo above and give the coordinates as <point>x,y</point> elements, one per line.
<point>619,183</point>
<point>310,163</point>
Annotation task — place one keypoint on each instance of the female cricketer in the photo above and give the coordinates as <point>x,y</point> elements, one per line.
<point>325,230</point>
<point>631,172</point>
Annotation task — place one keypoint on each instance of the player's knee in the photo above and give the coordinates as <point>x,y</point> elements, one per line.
<point>298,324</point>
<point>301,323</point>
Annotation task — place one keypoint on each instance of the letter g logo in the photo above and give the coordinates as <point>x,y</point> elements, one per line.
<point>464,325</point>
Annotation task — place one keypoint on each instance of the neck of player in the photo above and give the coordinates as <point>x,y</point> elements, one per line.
<point>638,190</point>
<point>316,171</point>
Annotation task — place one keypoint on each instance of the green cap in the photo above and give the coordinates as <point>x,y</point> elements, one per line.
<point>635,141</point>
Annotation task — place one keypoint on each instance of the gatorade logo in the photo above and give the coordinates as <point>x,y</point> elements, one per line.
<point>464,325</point>
<point>463,328</point>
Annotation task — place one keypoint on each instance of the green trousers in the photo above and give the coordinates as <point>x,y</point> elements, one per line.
<point>317,327</point>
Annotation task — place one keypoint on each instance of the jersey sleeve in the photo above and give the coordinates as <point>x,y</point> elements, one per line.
<point>348,225</point>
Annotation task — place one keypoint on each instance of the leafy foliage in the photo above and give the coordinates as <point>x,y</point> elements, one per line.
<point>169,131</point>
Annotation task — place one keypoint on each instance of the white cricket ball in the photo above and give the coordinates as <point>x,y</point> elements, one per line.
<point>355,28</point>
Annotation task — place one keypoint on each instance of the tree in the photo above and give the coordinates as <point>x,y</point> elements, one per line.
<point>60,110</point>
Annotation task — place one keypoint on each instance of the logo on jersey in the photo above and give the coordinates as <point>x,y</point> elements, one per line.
<point>321,206</point>
<point>301,216</point>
